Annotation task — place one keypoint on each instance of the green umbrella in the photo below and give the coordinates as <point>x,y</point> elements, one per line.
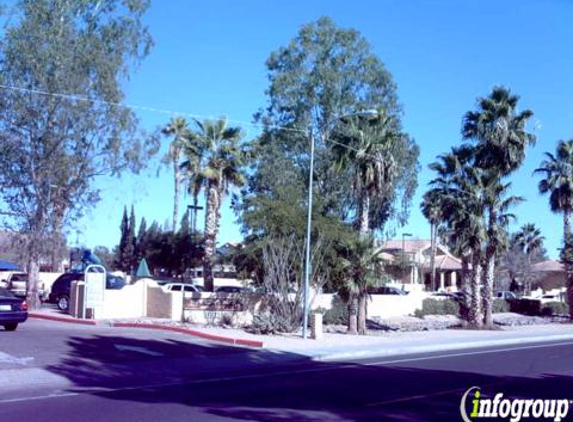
<point>142,269</point>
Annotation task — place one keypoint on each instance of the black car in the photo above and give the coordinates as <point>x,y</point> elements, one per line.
<point>60,293</point>
<point>229,289</point>
<point>13,310</point>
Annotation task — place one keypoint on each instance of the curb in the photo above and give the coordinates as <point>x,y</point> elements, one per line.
<point>180,330</point>
<point>381,353</point>
<point>195,333</point>
<point>61,319</point>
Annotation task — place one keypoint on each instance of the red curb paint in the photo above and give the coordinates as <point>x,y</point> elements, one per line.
<point>206,336</point>
<point>62,319</point>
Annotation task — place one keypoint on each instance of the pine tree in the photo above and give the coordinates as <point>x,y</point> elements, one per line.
<point>141,241</point>
<point>124,227</point>
<point>129,257</point>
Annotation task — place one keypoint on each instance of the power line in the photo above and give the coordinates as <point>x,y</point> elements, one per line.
<point>84,98</point>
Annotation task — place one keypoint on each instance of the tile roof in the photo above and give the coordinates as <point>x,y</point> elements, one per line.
<point>548,266</point>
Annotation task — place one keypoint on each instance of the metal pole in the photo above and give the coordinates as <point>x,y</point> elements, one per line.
<point>308,266</point>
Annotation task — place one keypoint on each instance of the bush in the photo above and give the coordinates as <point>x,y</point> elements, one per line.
<point>500,305</point>
<point>531,307</point>
<point>338,314</point>
<point>438,307</point>
<point>554,308</point>
<point>269,324</point>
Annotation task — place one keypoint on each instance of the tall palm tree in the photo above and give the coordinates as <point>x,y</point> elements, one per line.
<point>178,130</point>
<point>359,262</point>
<point>528,239</point>
<point>368,148</point>
<point>217,166</point>
<point>501,138</point>
<point>456,190</point>
<point>497,204</point>
<point>432,211</point>
<point>557,172</point>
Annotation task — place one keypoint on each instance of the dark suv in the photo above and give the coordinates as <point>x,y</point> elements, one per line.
<point>60,293</point>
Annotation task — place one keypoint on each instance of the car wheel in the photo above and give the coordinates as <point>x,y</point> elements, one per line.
<point>63,303</point>
<point>11,326</point>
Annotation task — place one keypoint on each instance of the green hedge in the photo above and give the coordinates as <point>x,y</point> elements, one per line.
<point>438,307</point>
<point>338,314</point>
<point>531,307</point>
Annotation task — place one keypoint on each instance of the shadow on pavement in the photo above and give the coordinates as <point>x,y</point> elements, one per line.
<point>244,384</point>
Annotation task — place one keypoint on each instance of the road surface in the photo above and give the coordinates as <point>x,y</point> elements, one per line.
<point>58,372</point>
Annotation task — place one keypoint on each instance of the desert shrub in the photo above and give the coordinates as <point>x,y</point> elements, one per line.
<point>338,314</point>
<point>269,323</point>
<point>500,305</point>
<point>438,307</point>
<point>554,308</point>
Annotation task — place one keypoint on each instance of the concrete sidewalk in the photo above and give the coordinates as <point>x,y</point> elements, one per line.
<point>345,347</point>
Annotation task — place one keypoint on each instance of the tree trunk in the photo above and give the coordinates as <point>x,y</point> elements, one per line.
<point>211,229</point>
<point>475,313</point>
<point>176,193</point>
<point>362,315</point>
<point>489,276</point>
<point>433,247</point>
<point>364,226</point>
<point>465,281</point>
<point>352,316</point>
<point>32,296</point>
<point>567,259</point>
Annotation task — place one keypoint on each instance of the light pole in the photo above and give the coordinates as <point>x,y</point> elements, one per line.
<point>404,235</point>
<point>308,264</point>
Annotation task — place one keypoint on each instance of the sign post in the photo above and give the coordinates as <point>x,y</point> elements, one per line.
<point>94,278</point>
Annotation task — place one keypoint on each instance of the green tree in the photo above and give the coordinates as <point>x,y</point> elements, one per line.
<point>221,167</point>
<point>529,240</point>
<point>557,182</point>
<point>62,66</point>
<point>123,241</point>
<point>178,130</point>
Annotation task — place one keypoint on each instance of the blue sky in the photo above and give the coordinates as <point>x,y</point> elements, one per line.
<point>209,60</point>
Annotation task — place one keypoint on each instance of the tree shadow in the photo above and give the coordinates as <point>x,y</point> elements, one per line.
<point>262,385</point>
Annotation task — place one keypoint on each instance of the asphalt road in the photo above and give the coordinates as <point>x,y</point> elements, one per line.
<point>57,372</point>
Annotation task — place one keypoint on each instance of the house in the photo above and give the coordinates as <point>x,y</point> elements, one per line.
<point>550,275</point>
<point>410,265</point>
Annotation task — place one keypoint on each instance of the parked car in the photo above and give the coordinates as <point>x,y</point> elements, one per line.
<point>13,310</point>
<point>506,295</point>
<point>229,289</point>
<point>60,293</point>
<point>17,283</point>
<point>176,287</point>
<point>549,297</point>
<point>387,290</point>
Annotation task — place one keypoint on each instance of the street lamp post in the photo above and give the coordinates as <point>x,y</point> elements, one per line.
<point>308,264</point>
<point>404,235</point>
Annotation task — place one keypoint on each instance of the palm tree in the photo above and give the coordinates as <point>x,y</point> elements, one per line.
<point>359,263</point>
<point>178,129</point>
<point>433,213</point>
<point>456,190</point>
<point>529,239</point>
<point>368,148</point>
<point>217,165</point>
<point>499,131</point>
<point>557,170</point>
<point>500,136</point>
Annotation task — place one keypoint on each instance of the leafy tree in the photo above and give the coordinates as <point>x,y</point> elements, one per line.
<point>530,241</point>
<point>178,129</point>
<point>557,172</point>
<point>62,65</point>
<point>106,256</point>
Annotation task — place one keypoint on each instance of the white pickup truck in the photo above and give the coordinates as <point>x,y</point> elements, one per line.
<point>17,282</point>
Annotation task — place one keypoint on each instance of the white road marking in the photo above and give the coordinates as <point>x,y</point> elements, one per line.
<point>6,358</point>
<point>290,372</point>
<point>136,349</point>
